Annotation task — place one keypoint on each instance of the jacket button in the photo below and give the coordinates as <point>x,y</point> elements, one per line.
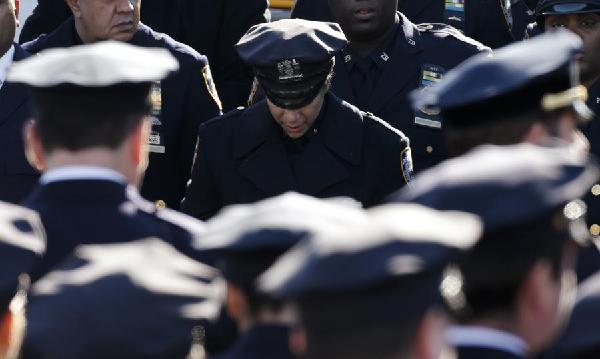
<point>595,230</point>
<point>429,149</point>
<point>596,190</point>
<point>160,204</point>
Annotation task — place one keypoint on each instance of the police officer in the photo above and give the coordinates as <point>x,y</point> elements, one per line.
<point>493,23</point>
<point>515,302</point>
<point>525,96</point>
<point>210,27</point>
<point>179,103</point>
<point>301,137</point>
<point>582,18</point>
<point>17,177</point>
<point>247,240</point>
<point>22,243</point>
<point>372,288</point>
<point>388,56</point>
<point>90,137</point>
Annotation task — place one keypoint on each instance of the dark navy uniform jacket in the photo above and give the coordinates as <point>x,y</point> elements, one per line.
<point>419,55</point>
<point>261,342</point>
<point>209,27</point>
<point>186,102</point>
<point>17,177</point>
<point>242,158</point>
<point>99,211</point>
<point>488,21</point>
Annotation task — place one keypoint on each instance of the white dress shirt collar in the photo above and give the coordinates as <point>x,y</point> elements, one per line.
<point>68,173</point>
<point>5,62</point>
<point>475,336</point>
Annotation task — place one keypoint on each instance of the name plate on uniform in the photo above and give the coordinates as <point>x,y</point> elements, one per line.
<point>428,122</point>
<point>454,13</point>
<point>156,139</point>
<point>156,149</point>
<point>430,75</point>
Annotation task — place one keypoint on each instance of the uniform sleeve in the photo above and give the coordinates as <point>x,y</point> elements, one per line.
<point>200,106</point>
<point>201,198</point>
<point>399,167</point>
<point>46,17</point>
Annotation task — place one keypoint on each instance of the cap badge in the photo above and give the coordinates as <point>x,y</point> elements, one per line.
<point>289,70</point>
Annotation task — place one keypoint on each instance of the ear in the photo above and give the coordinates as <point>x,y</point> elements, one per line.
<point>34,150</point>
<point>535,134</point>
<point>236,302</point>
<point>430,339</point>
<point>5,332</point>
<point>138,151</point>
<point>17,8</point>
<point>75,7</point>
<point>297,342</point>
<point>533,298</point>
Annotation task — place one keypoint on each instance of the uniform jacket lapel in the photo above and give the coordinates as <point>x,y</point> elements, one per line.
<point>339,137</point>
<point>402,72</point>
<point>257,144</point>
<point>13,96</point>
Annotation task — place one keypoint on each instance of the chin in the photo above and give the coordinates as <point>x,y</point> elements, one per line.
<point>123,36</point>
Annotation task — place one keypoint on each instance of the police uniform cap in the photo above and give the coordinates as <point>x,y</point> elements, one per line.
<point>138,299</point>
<point>248,238</point>
<point>518,78</point>
<point>22,244</point>
<point>292,58</point>
<point>382,270</point>
<point>511,187</point>
<point>107,75</point>
<point>564,7</point>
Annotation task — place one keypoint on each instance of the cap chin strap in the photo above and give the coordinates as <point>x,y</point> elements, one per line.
<point>575,96</point>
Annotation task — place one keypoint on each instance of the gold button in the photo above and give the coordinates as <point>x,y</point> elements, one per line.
<point>160,204</point>
<point>596,190</point>
<point>429,149</point>
<point>595,230</point>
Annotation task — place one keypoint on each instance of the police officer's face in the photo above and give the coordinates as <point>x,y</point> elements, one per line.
<point>8,24</point>
<point>587,26</point>
<point>364,20</point>
<point>295,123</point>
<point>106,19</point>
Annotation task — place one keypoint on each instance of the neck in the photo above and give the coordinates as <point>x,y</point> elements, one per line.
<point>101,157</point>
<point>497,323</point>
<point>365,47</point>
<point>284,317</point>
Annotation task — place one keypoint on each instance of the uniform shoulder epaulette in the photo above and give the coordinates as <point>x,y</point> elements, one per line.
<point>227,115</point>
<point>381,122</point>
<point>444,30</point>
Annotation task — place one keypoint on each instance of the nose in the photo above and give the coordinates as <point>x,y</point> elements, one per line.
<point>124,6</point>
<point>291,116</point>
